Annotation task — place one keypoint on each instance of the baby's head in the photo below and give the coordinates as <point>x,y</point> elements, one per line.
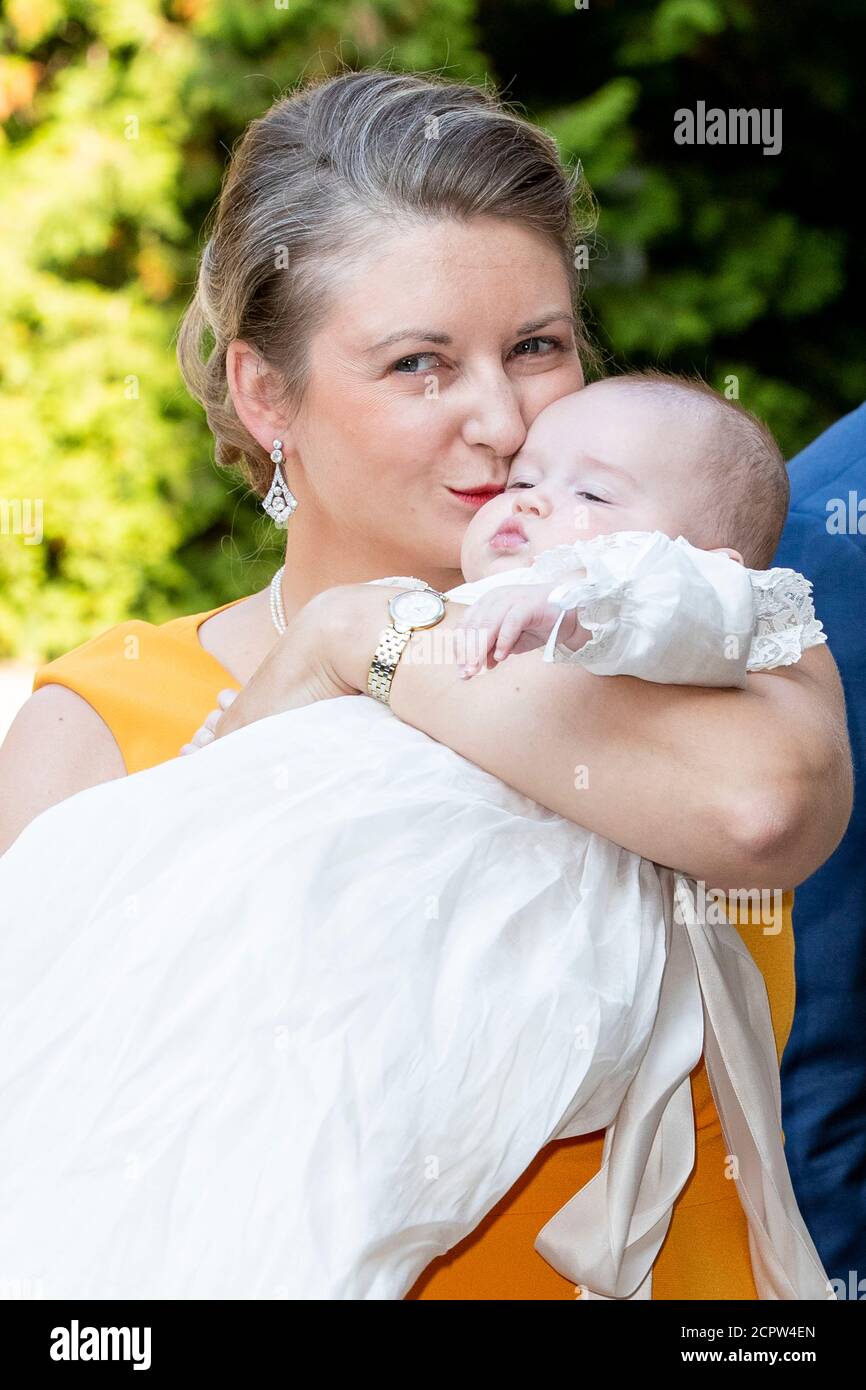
<point>642,452</point>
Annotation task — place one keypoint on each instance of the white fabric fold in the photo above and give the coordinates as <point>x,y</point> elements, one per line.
<point>713,998</point>
<point>658,609</point>
<point>666,611</point>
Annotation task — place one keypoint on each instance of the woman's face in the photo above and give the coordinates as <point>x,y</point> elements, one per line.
<point>441,349</point>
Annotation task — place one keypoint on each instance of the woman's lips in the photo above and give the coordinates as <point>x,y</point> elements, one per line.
<point>475,499</point>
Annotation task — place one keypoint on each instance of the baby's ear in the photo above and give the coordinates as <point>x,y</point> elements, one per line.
<point>726,550</point>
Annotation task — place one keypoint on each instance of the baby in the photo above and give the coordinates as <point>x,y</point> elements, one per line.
<point>293,1015</point>
<point>642,452</point>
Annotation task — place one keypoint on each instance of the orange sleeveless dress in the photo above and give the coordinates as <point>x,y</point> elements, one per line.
<point>154,685</point>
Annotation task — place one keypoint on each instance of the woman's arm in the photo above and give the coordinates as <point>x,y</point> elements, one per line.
<point>57,745</point>
<point>740,788</point>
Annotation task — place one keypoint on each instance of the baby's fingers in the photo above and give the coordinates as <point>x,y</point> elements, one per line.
<point>510,630</point>
<point>478,632</point>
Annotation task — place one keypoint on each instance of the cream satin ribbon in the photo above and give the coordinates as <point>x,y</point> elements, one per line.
<point>712,999</point>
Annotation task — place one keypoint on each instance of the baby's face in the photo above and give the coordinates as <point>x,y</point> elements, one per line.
<point>603,459</point>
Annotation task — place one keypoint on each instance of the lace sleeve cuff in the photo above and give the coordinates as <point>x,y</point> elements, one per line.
<point>785,622</point>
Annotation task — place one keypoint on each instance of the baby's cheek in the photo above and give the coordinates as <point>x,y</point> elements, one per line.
<point>576,521</point>
<point>469,565</point>
<point>479,530</point>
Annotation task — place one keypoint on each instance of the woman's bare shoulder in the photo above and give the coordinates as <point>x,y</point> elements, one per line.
<point>240,635</point>
<point>57,745</point>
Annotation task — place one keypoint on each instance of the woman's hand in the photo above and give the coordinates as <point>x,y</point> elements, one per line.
<point>296,672</point>
<point>306,663</point>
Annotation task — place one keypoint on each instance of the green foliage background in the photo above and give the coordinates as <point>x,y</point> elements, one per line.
<point>117,120</point>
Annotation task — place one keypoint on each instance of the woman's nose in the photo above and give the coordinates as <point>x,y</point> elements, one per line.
<point>495,420</point>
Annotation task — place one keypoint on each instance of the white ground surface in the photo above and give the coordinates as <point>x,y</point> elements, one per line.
<point>15,683</point>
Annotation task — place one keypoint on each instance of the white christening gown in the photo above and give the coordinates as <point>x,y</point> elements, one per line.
<point>286,1018</point>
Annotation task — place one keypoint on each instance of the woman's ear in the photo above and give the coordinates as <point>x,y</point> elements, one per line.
<point>726,550</point>
<point>254,389</point>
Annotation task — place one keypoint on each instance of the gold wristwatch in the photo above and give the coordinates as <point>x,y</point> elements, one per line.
<point>410,611</point>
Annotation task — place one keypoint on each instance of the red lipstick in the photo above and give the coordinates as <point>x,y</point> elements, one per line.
<point>475,497</point>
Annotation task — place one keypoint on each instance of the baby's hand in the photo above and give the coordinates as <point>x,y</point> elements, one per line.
<point>513,618</point>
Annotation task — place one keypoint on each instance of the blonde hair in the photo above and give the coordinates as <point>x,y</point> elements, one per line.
<point>747,489</point>
<point>308,188</point>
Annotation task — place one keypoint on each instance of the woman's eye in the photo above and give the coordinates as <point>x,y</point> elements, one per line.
<point>412,369</point>
<point>537,347</point>
<point>520,483</point>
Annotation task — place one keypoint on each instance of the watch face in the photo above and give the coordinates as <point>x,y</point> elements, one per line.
<point>416,608</point>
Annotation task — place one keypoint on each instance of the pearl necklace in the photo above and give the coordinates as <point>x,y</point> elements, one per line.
<point>278,612</point>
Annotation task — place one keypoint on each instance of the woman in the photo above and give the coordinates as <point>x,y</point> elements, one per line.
<point>391,291</point>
